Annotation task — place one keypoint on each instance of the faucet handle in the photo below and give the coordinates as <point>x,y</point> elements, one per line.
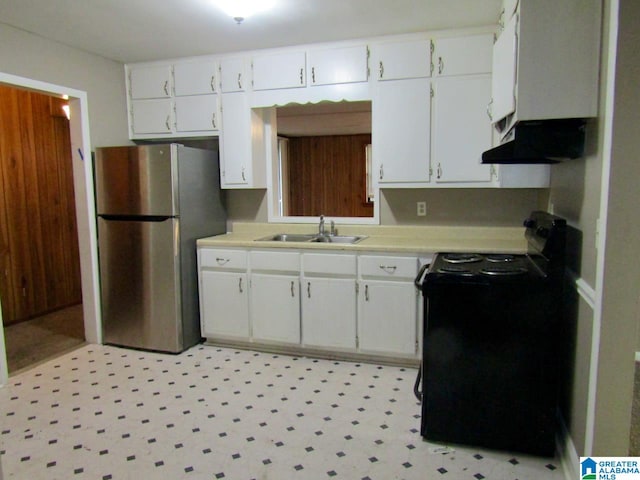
<point>333,228</point>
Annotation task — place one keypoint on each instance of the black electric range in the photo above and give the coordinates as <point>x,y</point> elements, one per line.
<point>490,343</point>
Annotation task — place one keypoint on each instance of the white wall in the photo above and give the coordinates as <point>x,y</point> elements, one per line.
<point>34,57</point>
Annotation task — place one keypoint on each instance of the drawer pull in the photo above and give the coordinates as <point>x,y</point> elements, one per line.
<point>366,293</point>
<point>390,269</point>
<point>222,261</point>
<point>240,285</point>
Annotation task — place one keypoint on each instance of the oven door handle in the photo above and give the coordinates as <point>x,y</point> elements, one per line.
<point>418,281</point>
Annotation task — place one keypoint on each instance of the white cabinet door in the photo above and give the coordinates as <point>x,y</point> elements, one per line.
<point>461,128</point>
<point>151,116</point>
<point>281,70</point>
<point>329,313</point>
<point>233,74</point>
<point>195,78</point>
<point>150,81</point>
<point>197,113</point>
<point>224,303</point>
<point>387,316</point>
<point>462,55</point>
<point>275,307</point>
<point>398,60</point>
<point>235,141</point>
<point>401,131</point>
<point>503,88</point>
<point>338,65</point>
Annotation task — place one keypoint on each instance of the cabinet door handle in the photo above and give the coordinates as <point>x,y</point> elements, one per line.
<point>240,81</point>
<point>489,108</point>
<point>244,179</point>
<point>388,268</point>
<point>167,124</point>
<point>308,289</point>
<point>366,293</point>
<point>439,174</point>
<point>166,87</point>
<point>381,172</point>
<point>381,70</point>
<point>302,76</point>
<point>440,65</point>
<point>240,285</point>
<point>213,83</point>
<point>293,293</point>
<point>222,261</point>
<point>313,74</point>
<point>213,120</point>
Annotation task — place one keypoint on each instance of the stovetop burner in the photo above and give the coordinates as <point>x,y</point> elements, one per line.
<point>462,257</point>
<point>500,258</point>
<point>503,270</point>
<point>455,270</point>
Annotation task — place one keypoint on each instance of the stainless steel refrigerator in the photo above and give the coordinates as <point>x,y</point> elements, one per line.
<point>153,202</point>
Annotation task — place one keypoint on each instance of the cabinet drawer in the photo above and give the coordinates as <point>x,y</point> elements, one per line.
<point>276,261</point>
<point>329,264</point>
<point>388,267</point>
<point>223,259</point>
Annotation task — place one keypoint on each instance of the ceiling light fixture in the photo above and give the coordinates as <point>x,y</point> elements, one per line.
<point>239,10</point>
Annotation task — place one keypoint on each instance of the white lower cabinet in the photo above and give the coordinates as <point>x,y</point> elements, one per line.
<point>329,301</point>
<point>329,313</point>
<point>339,302</point>
<point>224,305</point>
<point>387,305</point>
<point>275,297</point>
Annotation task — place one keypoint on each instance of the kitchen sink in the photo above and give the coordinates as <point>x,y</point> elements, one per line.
<point>316,238</point>
<point>338,238</point>
<point>288,237</point>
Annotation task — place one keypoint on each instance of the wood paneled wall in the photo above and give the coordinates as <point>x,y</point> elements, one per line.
<point>327,176</point>
<point>38,234</point>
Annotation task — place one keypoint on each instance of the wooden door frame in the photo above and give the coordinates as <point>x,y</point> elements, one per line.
<point>84,201</point>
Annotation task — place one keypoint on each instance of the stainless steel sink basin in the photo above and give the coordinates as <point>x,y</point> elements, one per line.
<point>338,238</point>
<point>288,237</point>
<point>301,237</point>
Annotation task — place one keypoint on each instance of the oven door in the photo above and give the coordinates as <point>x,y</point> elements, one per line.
<point>489,365</point>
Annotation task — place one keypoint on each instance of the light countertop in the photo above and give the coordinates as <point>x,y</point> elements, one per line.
<point>388,239</point>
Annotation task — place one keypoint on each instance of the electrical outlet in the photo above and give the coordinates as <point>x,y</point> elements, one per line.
<point>421,209</point>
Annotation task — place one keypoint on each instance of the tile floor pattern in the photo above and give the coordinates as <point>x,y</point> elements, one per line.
<point>103,412</point>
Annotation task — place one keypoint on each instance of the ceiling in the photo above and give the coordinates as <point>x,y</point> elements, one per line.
<point>142,30</point>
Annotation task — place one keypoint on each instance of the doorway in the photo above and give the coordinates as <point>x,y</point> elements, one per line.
<point>40,289</point>
<point>84,204</point>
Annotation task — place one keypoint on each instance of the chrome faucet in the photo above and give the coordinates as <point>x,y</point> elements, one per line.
<point>321,225</point>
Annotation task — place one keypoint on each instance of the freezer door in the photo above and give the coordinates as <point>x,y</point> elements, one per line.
<point>140,284</point>
<point>137,180</point>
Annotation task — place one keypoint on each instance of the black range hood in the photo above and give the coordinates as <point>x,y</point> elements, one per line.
<point>540,141</point>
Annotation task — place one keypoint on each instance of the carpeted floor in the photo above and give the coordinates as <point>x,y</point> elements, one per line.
<point>33,341</point>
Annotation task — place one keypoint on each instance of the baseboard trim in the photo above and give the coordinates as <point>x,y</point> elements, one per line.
<point>569,459</point>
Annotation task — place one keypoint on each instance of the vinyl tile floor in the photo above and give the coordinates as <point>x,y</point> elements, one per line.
<point>103,412</point>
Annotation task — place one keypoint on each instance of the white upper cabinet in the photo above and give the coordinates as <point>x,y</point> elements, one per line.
<point>234,74</point>
<point>399,60</point>
<point>461,128</point>
<point>462,55</point>
<point>150,81</point>
<point>279,70</point>
<point>503,87</point>
<point>195,78</point>
<point>401,132</point>
<point>151,116</point>
<point>338,65</point>
<point>546,62</point>
<point>197,113</point>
